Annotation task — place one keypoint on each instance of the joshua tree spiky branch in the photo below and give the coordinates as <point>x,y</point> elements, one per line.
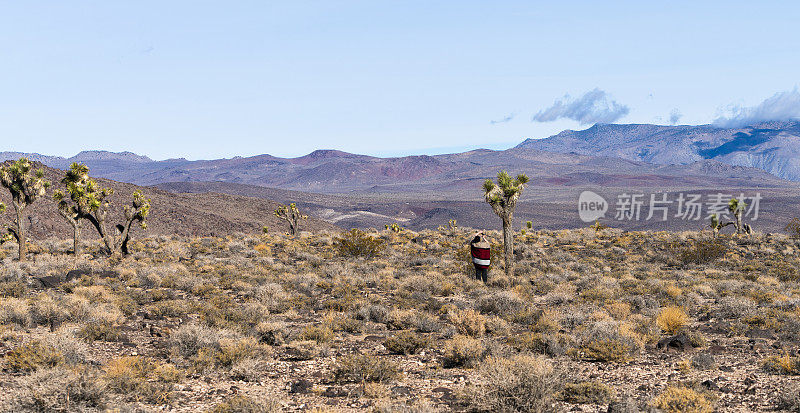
<point>291,215</point>
<point>25,187</point>
<point>503,196</point>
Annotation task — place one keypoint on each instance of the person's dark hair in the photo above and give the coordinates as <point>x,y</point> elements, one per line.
<point>476,239</point>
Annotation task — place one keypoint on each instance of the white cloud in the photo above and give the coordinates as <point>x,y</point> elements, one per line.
<point>781,106</point>
<point>595,106</point>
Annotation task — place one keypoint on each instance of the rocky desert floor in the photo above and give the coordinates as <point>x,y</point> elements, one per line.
<point>386,321</point>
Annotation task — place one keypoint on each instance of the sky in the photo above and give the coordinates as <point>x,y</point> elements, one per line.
<point>212,79</point>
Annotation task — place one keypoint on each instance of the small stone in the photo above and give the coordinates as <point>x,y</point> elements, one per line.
<point>301,386</point>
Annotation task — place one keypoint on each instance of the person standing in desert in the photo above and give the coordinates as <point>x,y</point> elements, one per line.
<point>481,251</point>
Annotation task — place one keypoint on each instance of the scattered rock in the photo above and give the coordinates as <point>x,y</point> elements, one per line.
<point>623,406</point>
<point>678,342</point>
<point>710,385</point>
<point>301,386</point>
<point>335,391</point>
<point>401,390</point>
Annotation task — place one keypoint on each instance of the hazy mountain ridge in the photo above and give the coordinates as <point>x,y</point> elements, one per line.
<point>771,146</point>
<point>171,213</point>
<point>605,154</point>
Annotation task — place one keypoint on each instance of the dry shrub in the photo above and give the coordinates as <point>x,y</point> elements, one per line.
<point>701,252</point>
<point>608,341</point>
<point>57,390</point>
<point>320,334</point>
<point>235,350</point>
<point>793,228</point>
<point>786,364</point>
<point>15,311</point>
<point>518,384</point>
<point>103,324</point>
<point>672,319</point>
<point>500,303</point>
<point>682,400</point>
<point>188,339</point>
<point>788,399</point>
<point>463,351</point>
<point>140,379</point>
<point>46,310</point>
<point>405,342</point>
<point>587,392</point>
<point>244,404</point>
<point>250,370</point>
<point>357,243</point>
<point>33,355</point>
<point>360,368</point>
<point>271,333</point>
<point>550,344</point>
<point>469,322</point>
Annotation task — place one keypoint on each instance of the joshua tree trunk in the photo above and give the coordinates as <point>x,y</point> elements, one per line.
<point>22,239</point>
<point>99,225</point>
<point>508,242</point>
<point>738,216</point>
<point>76,238</point>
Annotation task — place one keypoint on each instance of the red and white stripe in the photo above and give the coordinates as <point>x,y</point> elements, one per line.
<point>481,257</point>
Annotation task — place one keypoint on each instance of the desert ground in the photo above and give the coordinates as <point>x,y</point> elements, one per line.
<point>592,320</point>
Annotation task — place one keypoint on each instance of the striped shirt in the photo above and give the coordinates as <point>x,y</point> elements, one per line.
<point>480,256</point>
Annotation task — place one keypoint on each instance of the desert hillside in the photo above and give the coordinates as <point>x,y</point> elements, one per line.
<point>591,321</point>
<point>208,214</point>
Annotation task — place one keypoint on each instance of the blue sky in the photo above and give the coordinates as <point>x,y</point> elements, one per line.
<point>202,79</point>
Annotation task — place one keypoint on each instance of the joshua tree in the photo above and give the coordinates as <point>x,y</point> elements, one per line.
<point>84,200</point>
<point>503,196</point>
<point>136,212</point>
<point>736,207</point>
<point>291,215</point>
<point>25,186</point>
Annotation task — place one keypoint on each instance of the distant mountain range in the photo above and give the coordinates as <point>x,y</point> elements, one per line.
<point>350,190</point>
<point>771,146</point>
<point>603,155</point>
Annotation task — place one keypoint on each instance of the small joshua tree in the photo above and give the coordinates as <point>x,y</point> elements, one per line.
<point>503,196</point>
<point>25,187</point>
<point>82,200</point>
<point>736,207</point>
<point>136,212</point>
<point>291,215</point>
